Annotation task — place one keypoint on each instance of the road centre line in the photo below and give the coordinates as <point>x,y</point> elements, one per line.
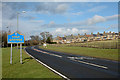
<point>72,59</point>
<point>47,53</point>
<point>91,64</point>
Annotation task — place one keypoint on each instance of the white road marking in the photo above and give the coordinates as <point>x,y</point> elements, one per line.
<point>47,53</point>
<point>56,55</point>
<point>48,66</point>
<point>91,64</point>
<point>72,58</point>
<point>89,58</point>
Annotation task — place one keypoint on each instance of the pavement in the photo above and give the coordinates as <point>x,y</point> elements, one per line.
<point>71,66</point>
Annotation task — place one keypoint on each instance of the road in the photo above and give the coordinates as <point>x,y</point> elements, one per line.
<point>75,66</point>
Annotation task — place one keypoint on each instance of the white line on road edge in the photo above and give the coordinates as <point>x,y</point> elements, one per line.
<point>48,66</point>
<point>91,64</point>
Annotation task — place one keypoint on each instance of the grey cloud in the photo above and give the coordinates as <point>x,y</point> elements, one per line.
<point>77,13</point>
<point>7,12</point>
<point>54,8</point>
<point>17,5</point>
<point>37,21</point>
<point>97,8</point>
<point>86,23</point>
<point>30,17</point>
<point>112,17</point>
<point>62,8</point>
<point>95,19</point>
<point>10,9</point>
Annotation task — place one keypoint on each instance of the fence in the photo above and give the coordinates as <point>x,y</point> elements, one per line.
<point>101,45</point>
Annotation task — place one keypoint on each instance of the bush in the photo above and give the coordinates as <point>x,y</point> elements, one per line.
<point>52,42</point>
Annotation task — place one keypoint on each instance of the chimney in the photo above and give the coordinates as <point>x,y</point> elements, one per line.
<point>58,37</point>
<point>71,34</point>
<point>91,33</point>
<point>78,35</point>
<point>64,35</point>
<point>98,33</point>
<point>113,32</point>
<point>85,34</point>
<point>104,32</point>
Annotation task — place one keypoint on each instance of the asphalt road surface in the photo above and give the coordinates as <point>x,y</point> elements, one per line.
<point>74,66</point>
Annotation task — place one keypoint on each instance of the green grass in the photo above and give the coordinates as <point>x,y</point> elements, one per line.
<point>111,54</point>
<point>29,69</point>
<point>108,44</point>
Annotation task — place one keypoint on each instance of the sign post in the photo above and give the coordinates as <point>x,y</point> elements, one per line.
<point>16,38</point>
<point>21,53</point>
<point>11,55</point>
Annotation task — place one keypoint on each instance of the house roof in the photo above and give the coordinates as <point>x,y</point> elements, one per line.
<point>60,38</point>
<point>55,38</point>
<point>101,34</point>
<point>109,33</point>
<point>64,38</point>
<point>84,36</point>
<point>94,35</point>
<point>88,35</point>
<point>69,37</point>
<point>116,33</point>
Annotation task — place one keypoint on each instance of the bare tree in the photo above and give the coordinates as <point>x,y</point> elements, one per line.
<point>4,38</point>
<point>45,36</point>
<point>35,40</point>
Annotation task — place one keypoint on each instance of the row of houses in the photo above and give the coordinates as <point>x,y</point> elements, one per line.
<point>82,38</point>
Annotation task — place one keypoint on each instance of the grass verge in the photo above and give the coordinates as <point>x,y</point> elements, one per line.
<point>29,69</point>
<point>111,54</point>
<point>0,63</point>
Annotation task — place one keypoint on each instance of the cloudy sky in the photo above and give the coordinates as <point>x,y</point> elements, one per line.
<point>60,18</point>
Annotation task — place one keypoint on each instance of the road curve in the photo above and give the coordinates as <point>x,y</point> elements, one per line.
<point>75,66</point>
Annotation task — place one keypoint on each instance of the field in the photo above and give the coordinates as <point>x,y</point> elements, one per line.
<point>111,54</point>
<point>109,44</point>
<point>29,69</point>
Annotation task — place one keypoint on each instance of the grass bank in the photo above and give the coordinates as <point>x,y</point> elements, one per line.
<point>29,69</point>
<point>108,44</point>
<point>111,54</point>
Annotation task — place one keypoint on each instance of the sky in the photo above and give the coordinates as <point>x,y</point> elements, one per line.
<point>60,18</point>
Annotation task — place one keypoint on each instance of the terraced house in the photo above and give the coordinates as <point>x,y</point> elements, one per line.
<point>86,37</point>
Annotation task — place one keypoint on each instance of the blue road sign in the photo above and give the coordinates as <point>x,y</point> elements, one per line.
<point>16,38</point>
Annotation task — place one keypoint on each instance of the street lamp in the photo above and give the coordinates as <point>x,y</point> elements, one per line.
<point>18,18</point>
<point>18,22</point>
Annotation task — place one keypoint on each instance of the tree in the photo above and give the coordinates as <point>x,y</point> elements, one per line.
<point>46,37</point>
<point>4,38</point>
<point>35,40</point>
<point>0,38</point>
<point>49,39</point>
